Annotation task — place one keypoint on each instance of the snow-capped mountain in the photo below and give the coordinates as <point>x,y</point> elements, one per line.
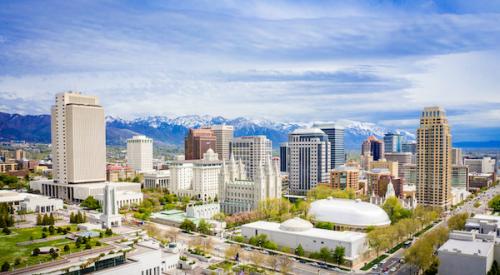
<point>172,130</point>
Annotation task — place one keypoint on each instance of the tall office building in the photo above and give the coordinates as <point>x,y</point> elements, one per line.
<point>140,153</point>
<point>224,134</point>
<point>284,157</point>
<point>78,139</point>
<point>373,147</point>
<point>309,151</point>
<point>409,147</point>
<point>393,143</point>
<point>456,156</point>
<point>197,143</point>
<point>402,159</point>
<point>253,151</point>
<point>481,165</point>
<point>434,159</point>
<point>336,137</point>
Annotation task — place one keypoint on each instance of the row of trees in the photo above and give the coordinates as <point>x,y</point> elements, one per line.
<point>323,191</point>
<point>45,219</point>
<point>383,238</point>
<point>78,217</point>
<point>494,203</point>
<point>203,226</point>
<point>330,255</point>
<point>281,263</point>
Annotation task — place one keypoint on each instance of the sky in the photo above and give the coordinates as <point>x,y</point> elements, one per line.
<point>288,61</point>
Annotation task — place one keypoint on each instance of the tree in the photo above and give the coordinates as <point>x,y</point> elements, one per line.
<point>17,261</point>
<point>325,254</point>
<point>299,251</point>
<point>494,203</point>
<point>188,225</point>
<point>45,220</point>
<point>5,266</point>
<point>38,219</point>
<point>256,257</point>
<point>231,252</point>
<point>91,203</point>
<point>285,264</point>
<point>273,262</point>
<point>66,248</point>
<point>6,231</point>
<point>171,234</point>
<point>338,255</point>
<point>324,225</point>
<point>323,191</point>
<point>109,232</point>
<point>457,222</point>
<point>204,227</point>
<point>395,210</point>
<point>88,246</point>
<point>36,251</point>
<point>219,217</point>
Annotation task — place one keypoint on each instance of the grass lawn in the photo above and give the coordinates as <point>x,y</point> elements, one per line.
<point>9,250</point>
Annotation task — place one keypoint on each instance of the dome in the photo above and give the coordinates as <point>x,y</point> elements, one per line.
<point>349,212</point>
<point>296,224</point>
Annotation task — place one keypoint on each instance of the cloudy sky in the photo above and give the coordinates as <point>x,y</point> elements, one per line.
<point>297,61</point>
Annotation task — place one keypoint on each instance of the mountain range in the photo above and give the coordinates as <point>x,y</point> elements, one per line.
<point>172,130</point>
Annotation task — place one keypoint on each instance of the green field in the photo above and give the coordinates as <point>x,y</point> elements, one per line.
<point>9,250</point>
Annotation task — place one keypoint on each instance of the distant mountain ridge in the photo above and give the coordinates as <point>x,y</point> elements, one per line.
<point>172,130</point>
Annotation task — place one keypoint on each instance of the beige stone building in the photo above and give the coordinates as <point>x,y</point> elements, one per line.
<point>392,166</point>
<point>434,159</point>
<point>224,135</point>
<point>78,139</point>
<point>345,177</point>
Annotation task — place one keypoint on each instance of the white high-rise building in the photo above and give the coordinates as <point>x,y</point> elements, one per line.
<point>252,151</point>
<point>481,165</point>
<point>456,156</point>
<point>140,153</point>
<point>239,194</point>
<point>224,135</point>
<point>309,164</point>
<point>196,178</point>
<point>78,139</point>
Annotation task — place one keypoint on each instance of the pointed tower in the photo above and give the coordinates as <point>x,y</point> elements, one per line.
<point>390,190</point>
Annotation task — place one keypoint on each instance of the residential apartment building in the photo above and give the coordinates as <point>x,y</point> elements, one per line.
<point>434,159</point>
<point>345,177</point>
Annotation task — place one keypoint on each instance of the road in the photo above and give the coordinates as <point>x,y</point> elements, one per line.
<point>468,207</point>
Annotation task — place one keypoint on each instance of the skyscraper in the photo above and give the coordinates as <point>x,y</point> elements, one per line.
<point>336,137</point>
<point>456,156</point>
<point>409,147</point>
<point>434,159</point>
<point>393,143</point>
<point>309,151</point>
<point>224,134</point>
<point>374,147</point>
<point>284,157</point>
<point>253,151</point>
<point>198,141</point>
<point>140,153</point>
<point>78,139</point>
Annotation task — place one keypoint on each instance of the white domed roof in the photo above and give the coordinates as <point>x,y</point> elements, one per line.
<point>349,212</point>
<point>296,224</point>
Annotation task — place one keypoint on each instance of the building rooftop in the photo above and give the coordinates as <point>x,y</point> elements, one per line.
<point>478,248</point>
<point>349,212</point>
<point>305,131</point>
<point>346,236</point>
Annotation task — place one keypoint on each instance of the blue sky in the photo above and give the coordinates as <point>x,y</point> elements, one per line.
<point>376,61</point>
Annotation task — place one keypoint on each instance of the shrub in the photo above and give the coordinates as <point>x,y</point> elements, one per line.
<point>36,251</point>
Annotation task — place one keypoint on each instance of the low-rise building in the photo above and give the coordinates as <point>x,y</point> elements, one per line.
<point>345,177</point>
<point>465,257</point>
<point>116,173</point>
<point>202,211</point>
<point>480,180</point>
<point>158,180</point>
<point>30,202</point>
<point>296,231</point>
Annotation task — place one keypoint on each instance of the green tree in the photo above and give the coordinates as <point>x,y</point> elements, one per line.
<point>109,232</point>
<point>339,254</point>
<point>5,266</point>
<point>494,270</point>
<point>457,222</point>
<point>204,227</point>
<point>324,225</point>
<point>188,225</point>
<point>494,203</point>
<point>66,248</point>
<point>325,254</point>
<point>395,210</point>
<point>299,251</point>
<point>45,219</point>
<point>38,219</point>
<point>91,203</point>
<point>36,251</point>
<point>6,231</point>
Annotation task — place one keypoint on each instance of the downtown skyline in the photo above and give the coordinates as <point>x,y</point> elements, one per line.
<point>379,62</point>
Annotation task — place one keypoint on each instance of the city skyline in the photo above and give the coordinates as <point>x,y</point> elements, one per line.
<point>259,60</point>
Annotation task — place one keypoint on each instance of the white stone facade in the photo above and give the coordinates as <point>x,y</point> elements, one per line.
<point>159,180</point>
<point>239,194</point>
<point>140,153</point>
<point>252,151</point>
<point>202,211</point>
